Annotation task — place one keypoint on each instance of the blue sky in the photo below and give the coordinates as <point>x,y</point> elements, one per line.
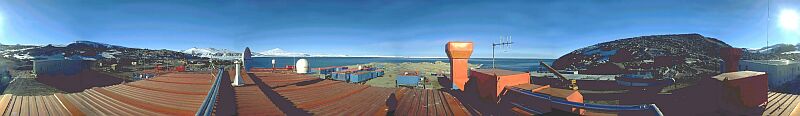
<point>541,29</point>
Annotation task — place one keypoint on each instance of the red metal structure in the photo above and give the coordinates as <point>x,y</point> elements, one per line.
<point>491,82</point>
<point>459,53</point>
<point>731,57</point>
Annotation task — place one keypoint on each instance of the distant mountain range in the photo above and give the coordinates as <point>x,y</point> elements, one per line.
<point>773,52</point>
<point>275,52</point>
<point>213,53</point>
<point>85,50</point>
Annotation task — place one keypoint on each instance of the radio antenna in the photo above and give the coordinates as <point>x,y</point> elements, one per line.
<point>505,43</point>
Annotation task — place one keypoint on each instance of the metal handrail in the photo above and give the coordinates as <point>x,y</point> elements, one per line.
<point>645,107</point>
<point>208,104</point>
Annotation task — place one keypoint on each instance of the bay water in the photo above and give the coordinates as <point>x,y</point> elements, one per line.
<point>513,64</point>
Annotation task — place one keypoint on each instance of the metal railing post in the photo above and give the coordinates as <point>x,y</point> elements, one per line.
<point>208,104</point>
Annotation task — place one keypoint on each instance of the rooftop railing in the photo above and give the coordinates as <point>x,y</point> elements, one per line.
<point>207,107</point>
<point>646,107</point>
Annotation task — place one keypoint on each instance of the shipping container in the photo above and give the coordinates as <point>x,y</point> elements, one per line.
<point>329,70</point>
<point>341,76</point>
<point>408,80</point>
<point>360,77</point>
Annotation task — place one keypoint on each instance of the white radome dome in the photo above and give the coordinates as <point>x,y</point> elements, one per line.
<point>302,66</point>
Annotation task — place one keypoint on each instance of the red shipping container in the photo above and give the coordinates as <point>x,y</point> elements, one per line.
<point>491,82</point>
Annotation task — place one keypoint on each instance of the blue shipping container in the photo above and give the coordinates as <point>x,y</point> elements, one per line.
<point>340,76</point>
<point>373,74</point>
<point>408,80</point>
<point>359,77</point>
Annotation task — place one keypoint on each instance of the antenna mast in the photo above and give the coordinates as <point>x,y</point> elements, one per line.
<point>505,42</point>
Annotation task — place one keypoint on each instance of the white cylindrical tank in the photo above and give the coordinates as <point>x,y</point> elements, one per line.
<point>302,66</point>
<point>238,81</point>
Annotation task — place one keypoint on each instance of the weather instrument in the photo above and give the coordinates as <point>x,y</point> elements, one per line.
<point>505,44</point>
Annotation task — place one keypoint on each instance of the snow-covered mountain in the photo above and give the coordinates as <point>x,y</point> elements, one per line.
<point>213,53</point>
<point>277,52</point>
<point>195,50</point>
<point>777,49</point>
<point>96,45</point>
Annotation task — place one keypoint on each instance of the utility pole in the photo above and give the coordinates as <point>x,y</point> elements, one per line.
<point>505,41</point>
<point>768,20</point>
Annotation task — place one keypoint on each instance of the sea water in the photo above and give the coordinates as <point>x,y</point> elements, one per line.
<point>513,64</point>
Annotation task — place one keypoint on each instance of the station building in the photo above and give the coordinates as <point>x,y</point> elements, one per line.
<point>59,67</point>
<point>780,71</point>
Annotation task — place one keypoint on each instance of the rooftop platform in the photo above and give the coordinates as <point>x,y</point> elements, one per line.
<point>782,104</point>
<point>170,94</point>
<point>295,94</point>
<point>264,93</point>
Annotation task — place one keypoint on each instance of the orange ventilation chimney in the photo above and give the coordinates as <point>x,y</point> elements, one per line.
<point>459,53</point>
<point>731,57</point>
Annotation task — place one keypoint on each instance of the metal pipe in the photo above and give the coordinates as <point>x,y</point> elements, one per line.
<point>650,107</point>
<point>554,71</point>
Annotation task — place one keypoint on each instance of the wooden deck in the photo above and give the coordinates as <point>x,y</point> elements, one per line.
<point>421,102</point>
<point>326,97</point>
<point>264,93</point>
<point>782,104</point>
<point>170,94</point>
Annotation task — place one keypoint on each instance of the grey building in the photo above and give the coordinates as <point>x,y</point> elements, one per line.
<point>779,71</point>
<point>59,67</point>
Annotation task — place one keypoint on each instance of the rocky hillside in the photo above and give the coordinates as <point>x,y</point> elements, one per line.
<point>684,57</point>
<point>84,50</point>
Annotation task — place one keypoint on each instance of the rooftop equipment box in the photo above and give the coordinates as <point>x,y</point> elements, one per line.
<point>749,86</point>
<point>492,81</point>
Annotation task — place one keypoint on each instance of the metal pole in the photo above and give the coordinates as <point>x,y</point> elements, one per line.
<point>493,45</point>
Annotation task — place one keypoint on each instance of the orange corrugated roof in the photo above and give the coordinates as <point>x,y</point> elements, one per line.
<point>169,94</point>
